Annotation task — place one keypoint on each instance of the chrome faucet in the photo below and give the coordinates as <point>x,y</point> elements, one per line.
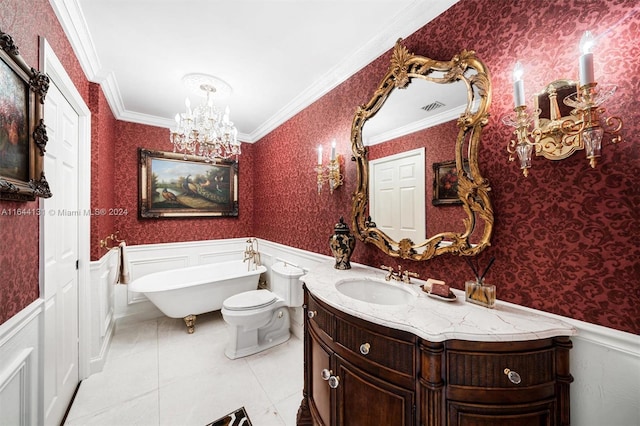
<point>251,254</point>
<point>403,276</point>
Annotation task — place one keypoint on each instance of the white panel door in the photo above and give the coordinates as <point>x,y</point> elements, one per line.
<point>60,255</point>
<point>397,195</point>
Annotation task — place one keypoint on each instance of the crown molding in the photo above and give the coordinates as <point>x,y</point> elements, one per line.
<point>409,20</point>
<point>75,27</point>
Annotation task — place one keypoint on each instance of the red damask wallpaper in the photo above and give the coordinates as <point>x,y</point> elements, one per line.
<point>133,230</point>
<point>102,169</point>
<point>565,238</point>
<point>26,21</point>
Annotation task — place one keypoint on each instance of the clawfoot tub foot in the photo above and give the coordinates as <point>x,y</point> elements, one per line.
<point>190,321</point>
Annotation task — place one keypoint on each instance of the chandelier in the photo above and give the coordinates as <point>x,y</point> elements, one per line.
<point>205,131</point>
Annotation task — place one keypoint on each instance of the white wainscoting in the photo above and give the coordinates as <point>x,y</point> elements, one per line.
<point>605,363</point>
<point>145,259</point>
<point>103,275</point>
<point>20,367</point>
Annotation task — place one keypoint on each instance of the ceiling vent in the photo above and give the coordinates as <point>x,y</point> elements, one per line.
<point>432,106</point>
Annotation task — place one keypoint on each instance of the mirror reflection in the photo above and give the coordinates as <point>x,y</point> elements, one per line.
<point>419,191</point>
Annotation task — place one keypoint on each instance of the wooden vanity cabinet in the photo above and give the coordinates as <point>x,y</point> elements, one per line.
<point>360,374</point>
<point>356,373</point>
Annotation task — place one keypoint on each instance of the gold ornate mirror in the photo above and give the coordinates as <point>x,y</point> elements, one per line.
<point>402,113</point>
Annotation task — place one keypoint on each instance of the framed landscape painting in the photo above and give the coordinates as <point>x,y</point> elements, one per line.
<point>175,185</point>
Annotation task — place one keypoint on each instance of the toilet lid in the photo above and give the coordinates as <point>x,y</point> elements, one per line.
<point>250,300</point>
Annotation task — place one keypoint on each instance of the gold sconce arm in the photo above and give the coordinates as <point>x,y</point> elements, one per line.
<point>557,136</point>
<point>330,175</point>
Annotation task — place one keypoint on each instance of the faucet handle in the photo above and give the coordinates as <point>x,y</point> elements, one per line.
<point>387,268</point>
<point>406,276</point>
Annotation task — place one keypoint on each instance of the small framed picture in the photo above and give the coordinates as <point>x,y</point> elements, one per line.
<point>445,183</point>
<point>178,185</point>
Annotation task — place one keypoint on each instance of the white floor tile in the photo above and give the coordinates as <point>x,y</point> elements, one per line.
<point>158,374</point>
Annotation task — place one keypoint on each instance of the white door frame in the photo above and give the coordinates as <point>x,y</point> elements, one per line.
<point>58,75</point>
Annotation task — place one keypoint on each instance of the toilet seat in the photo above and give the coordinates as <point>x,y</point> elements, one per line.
<point>250,300</point>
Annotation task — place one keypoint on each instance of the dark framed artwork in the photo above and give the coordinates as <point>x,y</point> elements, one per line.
<point>23,135</point>
<point>445,183</point>
<point>178,185</point>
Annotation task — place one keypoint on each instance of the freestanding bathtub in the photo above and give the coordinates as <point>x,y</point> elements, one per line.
<point>194,290</point>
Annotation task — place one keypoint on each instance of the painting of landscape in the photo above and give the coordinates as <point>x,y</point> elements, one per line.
<point>172,185</point>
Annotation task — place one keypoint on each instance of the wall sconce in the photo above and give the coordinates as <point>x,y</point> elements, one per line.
<point>555,135</point>
<point>331,173</point>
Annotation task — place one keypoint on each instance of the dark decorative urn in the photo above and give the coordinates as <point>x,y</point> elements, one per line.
<point>342,243</point>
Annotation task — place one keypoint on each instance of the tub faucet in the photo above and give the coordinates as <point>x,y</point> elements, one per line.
<point>251,254</point>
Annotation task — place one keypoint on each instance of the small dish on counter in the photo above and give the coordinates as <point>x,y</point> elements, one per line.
<point>428,286</point>
<point>451,298</point>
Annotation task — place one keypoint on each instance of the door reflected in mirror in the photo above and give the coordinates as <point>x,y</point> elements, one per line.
<point>438,109</point>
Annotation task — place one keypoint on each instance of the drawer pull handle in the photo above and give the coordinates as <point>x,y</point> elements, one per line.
<point>334,381</point>
<point>513,376</point>
<point>364,348</point>
<point>326,374</point>
<point>312,314</point>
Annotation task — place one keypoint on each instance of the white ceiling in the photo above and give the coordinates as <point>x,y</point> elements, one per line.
<point>279,56</point>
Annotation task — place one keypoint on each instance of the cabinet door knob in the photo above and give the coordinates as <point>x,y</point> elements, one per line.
<point>326,374</point>
<point>364,348</point>
<point>334,381</point>
<point>312,314</point>
<point>513,376</point>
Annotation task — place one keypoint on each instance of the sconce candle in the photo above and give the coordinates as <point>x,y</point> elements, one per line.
<point>331,173</point>
<point>586,59</point>
<point>518,85</point>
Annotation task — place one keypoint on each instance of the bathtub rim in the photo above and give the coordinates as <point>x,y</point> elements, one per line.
<point>136,284</point>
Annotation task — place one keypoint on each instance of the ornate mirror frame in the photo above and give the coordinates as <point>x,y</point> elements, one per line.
<point>473,189</point>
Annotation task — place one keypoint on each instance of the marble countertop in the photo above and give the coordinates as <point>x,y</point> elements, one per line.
<point>432,319</point>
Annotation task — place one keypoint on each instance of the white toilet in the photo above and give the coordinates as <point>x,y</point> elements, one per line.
<point>259,319</point>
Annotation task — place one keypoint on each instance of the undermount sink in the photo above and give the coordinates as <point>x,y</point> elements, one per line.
<point>373,291</point>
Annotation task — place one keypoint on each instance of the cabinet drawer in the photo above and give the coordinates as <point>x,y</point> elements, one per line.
<point>320,316</point>
<point>386,351</point>
<point>488,369</point>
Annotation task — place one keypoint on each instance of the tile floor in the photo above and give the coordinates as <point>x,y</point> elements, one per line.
<point>157,374</point>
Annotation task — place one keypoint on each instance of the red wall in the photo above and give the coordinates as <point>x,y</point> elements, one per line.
<point>25,21</point>
<point>133,230</point>
<point>565,238</point>
<point>102,168</point>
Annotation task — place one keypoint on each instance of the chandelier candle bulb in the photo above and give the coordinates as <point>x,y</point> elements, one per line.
<point>333,150</point>
<point>319,155</point>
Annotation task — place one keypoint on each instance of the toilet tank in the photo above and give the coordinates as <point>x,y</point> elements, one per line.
<point>286,284</point>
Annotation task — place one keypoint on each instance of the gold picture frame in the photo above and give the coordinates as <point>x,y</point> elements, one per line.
<point>23,135</point>
<point>177,185</point>
<point>445,184</point>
